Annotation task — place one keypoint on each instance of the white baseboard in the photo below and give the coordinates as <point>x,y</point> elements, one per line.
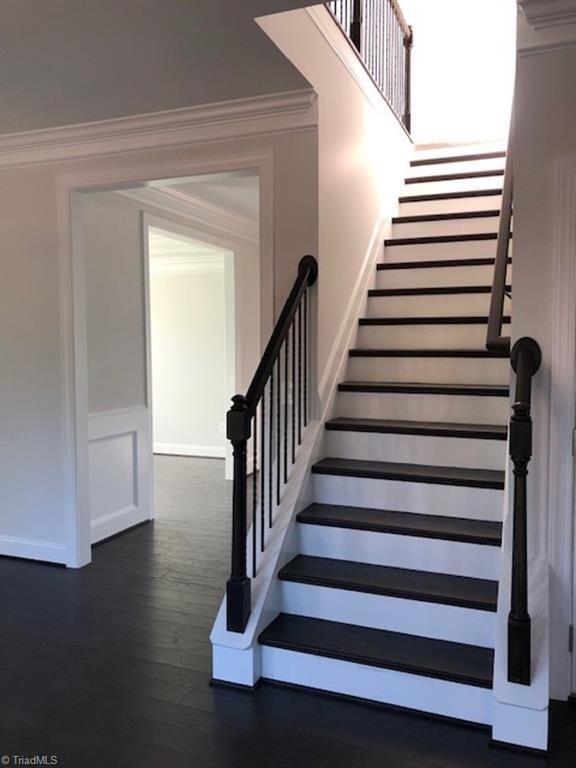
<point>181,449</point>
<point>32,549</point>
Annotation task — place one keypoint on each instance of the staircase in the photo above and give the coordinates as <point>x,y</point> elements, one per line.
<point>392,596</point>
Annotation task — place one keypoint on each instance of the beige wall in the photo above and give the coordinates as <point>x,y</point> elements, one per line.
<point>75,61</point>
<point>189,374</point>
<point>35,309</point>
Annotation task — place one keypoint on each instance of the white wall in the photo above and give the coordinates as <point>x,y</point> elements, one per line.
<point>462,69</point>
<point>363,158</point>
<point>544,258</point>
<point>189,372</point>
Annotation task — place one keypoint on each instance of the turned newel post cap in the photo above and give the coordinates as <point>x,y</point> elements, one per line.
<point>239,403</point>
<point>238,420</point>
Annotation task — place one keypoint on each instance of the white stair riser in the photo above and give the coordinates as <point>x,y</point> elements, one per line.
<point>453,185</point>
<point>433,305</point>
<point>422,407</point>
<point>427,336</point>
<point>469,166</point>
<point>412,617</point>
<point>475,249</point>
<point>433,370</point>
<point>417,449</point>
<point>447,500</point>
<point>445,227</point>
<point>436,277</point>
<point>452,205</point>
<point>417,692</point>
<point>456,558</point>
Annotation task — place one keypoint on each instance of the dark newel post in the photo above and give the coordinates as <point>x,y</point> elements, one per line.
<point>526,358</point>
<point>238,586</point>
<point>408,43</point>
<point>356,25</point>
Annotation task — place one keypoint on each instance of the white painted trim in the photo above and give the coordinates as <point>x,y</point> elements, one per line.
<point>269,113</point>
<point>561,530</point>
<point>32,549</point>
<point>179,449</point>
<point>73,306</point>
<point>543,14</point>
<point>184,265</point>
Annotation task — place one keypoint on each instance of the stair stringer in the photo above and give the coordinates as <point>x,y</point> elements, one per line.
<point>520,714</point>
<point>236,657</point>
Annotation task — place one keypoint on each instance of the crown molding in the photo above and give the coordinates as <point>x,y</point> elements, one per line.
<point>269,113</point>
<point>196,210</point>
<point>543,14</point>
<point>181,265</point>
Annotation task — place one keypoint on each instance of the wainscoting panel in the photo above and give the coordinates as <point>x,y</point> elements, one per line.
<point>120,471</point>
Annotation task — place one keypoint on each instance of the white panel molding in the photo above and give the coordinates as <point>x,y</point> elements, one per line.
<point>543,14</point>
<point>179,449</point>
<point>562,422</point>
<point>269,113</point>
<point>105,428</point>
<point>32,549</point>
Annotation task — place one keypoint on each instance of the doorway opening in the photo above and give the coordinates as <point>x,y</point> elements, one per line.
<point>171,300</point>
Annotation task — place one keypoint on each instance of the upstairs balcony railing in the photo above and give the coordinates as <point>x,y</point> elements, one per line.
<point>379,31</point>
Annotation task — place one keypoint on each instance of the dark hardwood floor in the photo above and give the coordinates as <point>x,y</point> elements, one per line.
<point>109,667</point>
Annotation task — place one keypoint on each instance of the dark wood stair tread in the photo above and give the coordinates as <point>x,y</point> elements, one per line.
<point>454,320</point>
<point>420,388</point>
<point>457,158</point>
<point>466,353</point>
<point>460,591</point>
<point>435,290</point>
<point>464,530</point>
<point>436,263</point>
<point>456,176</point>
<point>450,195</point>
<point>431,239</point>
<point>379,648</point>
<point>428,428</point>
<point>411,473</point>
<point>423,217</point>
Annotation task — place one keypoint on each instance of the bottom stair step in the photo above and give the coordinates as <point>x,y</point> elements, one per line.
<point>440,659</point>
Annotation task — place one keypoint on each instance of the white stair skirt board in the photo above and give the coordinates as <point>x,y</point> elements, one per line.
<point>456,558</point>
<point>454,408</point>
<point>447,500</point>
<point>417,449</point>
<point>437,277</point>
<point>521,726</point>
<point>422,336</point>
<point>432,370</point>
<point>481,203</point>
<point>236,665</point>
<point>470,166</point>
<point>412,617</point>
<point>474,249</point>
<point>426,694</point>
<point>446,227</point>
<point>451,185</point>
<point>435,305</point>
